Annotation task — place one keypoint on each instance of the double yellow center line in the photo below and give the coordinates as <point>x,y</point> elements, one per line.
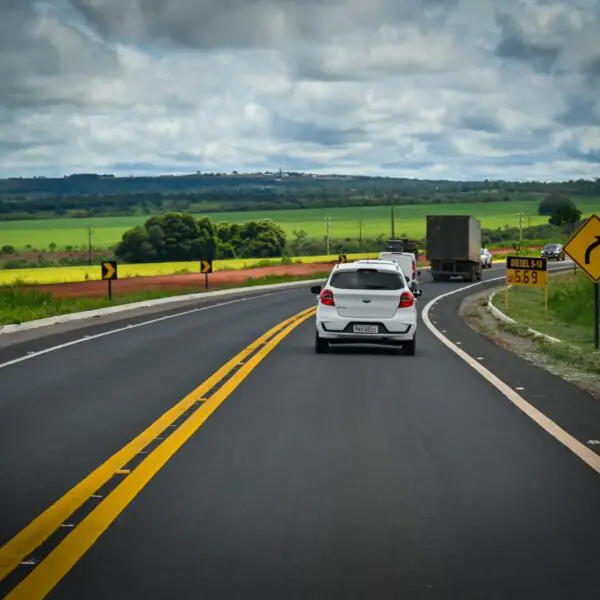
<point>155,446</point>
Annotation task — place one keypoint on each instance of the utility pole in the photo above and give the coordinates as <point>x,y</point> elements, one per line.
<point>89,245</point>
<point>360,242</point>
<point>520,227</point>
<point>328,232</point>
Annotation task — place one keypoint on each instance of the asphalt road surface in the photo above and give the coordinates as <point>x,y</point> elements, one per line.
<point>361,473</point>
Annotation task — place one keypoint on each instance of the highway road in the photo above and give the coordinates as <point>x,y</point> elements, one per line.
<point>196,457</point>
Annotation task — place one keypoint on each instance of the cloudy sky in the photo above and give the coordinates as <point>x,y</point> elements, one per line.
<point>449,89</point>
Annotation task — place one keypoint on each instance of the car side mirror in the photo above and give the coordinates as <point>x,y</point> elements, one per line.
<point>417,293</point>
<point>315,289</point>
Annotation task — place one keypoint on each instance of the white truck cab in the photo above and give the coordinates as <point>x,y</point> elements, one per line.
<point>408,265</point>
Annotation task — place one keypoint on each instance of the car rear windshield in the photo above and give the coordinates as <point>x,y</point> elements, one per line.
<point>367,279</point>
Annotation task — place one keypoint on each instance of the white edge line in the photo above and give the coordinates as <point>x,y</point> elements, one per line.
<point>130,327</point>
<point>579,449</point>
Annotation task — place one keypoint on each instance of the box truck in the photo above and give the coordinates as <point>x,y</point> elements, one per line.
<point>453,247</point>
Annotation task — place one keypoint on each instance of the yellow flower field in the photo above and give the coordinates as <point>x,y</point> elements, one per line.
<point>83,273</point>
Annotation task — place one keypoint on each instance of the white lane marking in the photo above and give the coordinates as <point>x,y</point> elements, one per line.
<point>129,327</point>
<point>584,453</point>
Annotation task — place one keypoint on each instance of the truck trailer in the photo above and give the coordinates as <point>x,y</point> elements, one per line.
<point>453,247</point>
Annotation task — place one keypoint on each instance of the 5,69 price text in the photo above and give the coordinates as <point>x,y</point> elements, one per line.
<point>526,277</point>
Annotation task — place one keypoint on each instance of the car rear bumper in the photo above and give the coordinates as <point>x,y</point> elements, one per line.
<point>389,332</point>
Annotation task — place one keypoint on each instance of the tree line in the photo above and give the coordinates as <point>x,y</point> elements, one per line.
<point>94,195</point>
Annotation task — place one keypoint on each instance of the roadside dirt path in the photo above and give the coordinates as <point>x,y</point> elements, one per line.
<point>194,281</point>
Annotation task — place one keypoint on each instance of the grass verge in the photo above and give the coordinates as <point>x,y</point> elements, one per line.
<point>19,305</point>
<point>570,318</point>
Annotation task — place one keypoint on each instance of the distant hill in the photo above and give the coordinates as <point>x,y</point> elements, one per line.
<point>91,194</point>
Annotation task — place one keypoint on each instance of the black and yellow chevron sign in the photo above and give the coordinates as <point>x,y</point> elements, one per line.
<point>109,270</point>
<point>206,266</point>
<point>342,258</point>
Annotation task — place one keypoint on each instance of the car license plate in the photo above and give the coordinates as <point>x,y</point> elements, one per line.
<point>366,329</point>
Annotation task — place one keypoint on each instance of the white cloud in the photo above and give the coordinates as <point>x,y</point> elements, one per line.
<point>459,89</point>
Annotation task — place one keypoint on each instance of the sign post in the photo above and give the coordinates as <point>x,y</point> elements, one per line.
<point>596,313</point>
<point>109,273</point>
<point>584,248</point>
<point>206,267</point>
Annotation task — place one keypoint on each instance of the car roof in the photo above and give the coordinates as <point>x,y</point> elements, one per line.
<point>406,254</point>
<point>381,265</point>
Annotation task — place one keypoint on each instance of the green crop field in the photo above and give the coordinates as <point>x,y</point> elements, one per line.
<point>344,222</point>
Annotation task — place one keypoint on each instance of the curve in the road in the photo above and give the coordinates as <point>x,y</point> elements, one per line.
<point>574,445</point>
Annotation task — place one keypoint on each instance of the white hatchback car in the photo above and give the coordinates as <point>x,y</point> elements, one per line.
<point>366,302</point>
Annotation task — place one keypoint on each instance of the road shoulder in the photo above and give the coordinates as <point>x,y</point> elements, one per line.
<point>520,341</point>
<point>565,395</point>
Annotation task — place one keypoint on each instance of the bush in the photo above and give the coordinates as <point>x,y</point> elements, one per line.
<point>550,204</point>
<point>573,300</point>
<point>180,237</point>
<point>18,263</point>
<point>565,215</point>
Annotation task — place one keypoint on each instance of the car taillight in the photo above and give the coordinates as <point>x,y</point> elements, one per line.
<point>327,298</point>
<point>406,300</point>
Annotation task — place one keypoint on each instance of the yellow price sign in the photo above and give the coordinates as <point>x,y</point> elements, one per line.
<point>523,277</point>
<point>526,271</point>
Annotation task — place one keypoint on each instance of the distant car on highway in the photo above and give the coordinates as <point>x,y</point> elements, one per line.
<point>486,258</point>
<point>366,302</point>
<point>553,252</point>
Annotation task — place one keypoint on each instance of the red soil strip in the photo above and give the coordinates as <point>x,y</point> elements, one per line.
<point>194,281</point>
